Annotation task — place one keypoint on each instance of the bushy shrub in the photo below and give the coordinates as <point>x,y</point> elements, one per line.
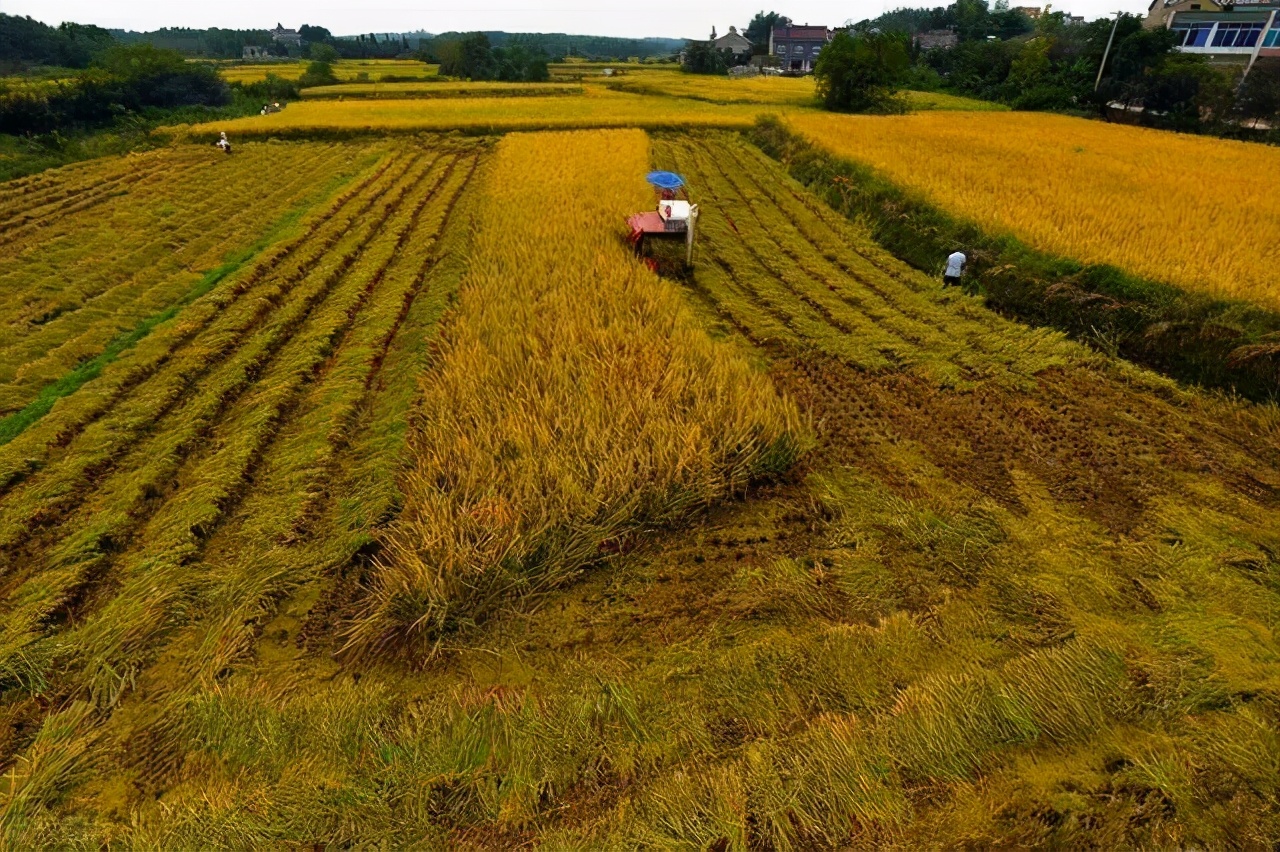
<point>317,74</point>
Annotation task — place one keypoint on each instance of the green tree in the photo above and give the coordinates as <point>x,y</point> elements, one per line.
<point>972,19</point>
<point>470,57</point>
<point>518,63</point>
<point>321,52</point>
<point>315,35</point>
<point>318,74</point>
<point>1259,95</point>
<point>140,61</point>
<point>701,57</point>
<point>861,72</point>
<point>761,27</point>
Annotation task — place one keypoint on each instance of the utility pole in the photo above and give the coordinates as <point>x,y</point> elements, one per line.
<point>1098,82</point>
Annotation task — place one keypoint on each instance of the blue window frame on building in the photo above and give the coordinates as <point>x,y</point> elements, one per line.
<point>1272,39</point>
<point>1192,34</point>
<point>1237,35</point>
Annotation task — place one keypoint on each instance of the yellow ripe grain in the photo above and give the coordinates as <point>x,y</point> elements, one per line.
<point>347,70</point>
<point>574,397</point>
<point>428,89</point>
<point>1192,211</point>
<point>600,108</point>
<point>777,91</point>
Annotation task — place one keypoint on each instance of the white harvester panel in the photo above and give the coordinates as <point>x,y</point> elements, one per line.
<point>675,214</point>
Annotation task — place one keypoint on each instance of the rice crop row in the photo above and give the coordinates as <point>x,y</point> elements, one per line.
<point>21,193</point>
<point>346,69</point>
<point>776,91</point>
<point>597,109</point>
<point>428,90</point>
<point>243,339</point>
<point>183,349</point>
<point>216,436</point>
<point>1087,190</point>
<point>74,307</point>
<point>251,389</point>
<point>31,224</point>
<point>267,457</point>
<point>1021,595</point>
<point>784,266</point>
<point>153,578</point>
<point>573,401</point>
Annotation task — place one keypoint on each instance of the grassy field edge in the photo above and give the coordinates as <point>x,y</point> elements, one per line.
<point>1217,343</point>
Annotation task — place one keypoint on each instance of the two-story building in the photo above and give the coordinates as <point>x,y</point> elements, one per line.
<point>1225,33</point>
<point>797,48</point>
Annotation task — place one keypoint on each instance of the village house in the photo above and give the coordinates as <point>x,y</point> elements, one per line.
<point>253,51</point>
<point>289,38</point>
<point>797,48</point>
<point>732,40</point>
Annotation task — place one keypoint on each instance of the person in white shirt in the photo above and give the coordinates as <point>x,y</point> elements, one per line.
<point>955,267</point>
<point>223,144</point>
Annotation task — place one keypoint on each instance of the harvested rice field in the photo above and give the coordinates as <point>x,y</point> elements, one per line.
<point>379,504</point>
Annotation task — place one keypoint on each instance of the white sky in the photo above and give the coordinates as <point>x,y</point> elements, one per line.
<point>668,18</point>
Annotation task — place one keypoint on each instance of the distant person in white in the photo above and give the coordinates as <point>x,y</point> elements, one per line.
<point>955,267</point>
<point>223,144</point>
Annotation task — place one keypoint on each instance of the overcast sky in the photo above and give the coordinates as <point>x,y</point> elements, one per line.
<point>652,18</point>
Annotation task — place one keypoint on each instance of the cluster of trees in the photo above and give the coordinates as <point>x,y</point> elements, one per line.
<point>212,43</point>
<point>971,20</point>
<point>1048,64</point>
<point>701,57</point>
<point>862,71</point>
<point>26,43</point>
<point>556,47</point>
<point>1055,67</point>
<point>122,80</point>
<point>472,57</point>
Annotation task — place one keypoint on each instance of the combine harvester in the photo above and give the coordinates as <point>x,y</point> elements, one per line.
<point>674,218</point>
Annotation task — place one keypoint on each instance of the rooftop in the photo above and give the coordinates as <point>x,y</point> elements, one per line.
<point>806,32</point>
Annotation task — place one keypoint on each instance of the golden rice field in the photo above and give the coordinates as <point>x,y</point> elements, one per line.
<point>393,501</point>
<point>346,69</point>
<point>779,91</point>
<point>610,411</point>
<point>427,89</point>
<point>1154,203</point>
<point>596,108</point>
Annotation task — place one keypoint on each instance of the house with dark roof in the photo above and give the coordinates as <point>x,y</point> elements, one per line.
<point>797,48</point>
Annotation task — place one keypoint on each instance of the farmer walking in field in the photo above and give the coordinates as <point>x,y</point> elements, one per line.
<point>955,267</point>
<point>224,144</point>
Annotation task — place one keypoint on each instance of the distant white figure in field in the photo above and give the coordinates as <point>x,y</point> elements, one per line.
<point>223,143</point>
<point>955,268</point>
